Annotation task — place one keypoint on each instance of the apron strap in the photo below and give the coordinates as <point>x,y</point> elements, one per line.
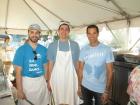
<point>58,45</point>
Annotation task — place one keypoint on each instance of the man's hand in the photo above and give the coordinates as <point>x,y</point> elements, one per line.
<point>21,95</point>
<point>49,86</point>
<point>105,98</point>
<point>79,91</point>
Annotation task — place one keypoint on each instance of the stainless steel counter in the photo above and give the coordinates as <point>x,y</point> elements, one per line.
<point>6,97</point>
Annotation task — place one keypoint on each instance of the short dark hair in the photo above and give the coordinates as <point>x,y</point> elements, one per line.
<point>64,24</point>
<point>6,38</point>
<point>93,26</point>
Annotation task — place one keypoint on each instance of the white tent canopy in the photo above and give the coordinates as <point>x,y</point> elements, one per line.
<point>17,15</point>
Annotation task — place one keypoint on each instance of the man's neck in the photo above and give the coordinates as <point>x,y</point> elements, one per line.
<point>94,44</point>
<point>33,45</point>
<point>63,40</point>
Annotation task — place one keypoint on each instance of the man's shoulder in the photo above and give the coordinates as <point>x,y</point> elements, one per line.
<point>22,47</point>
<point>74,43</point>
<point>53,44</point>
<point>85,47</point>
<point>105,46</point>
<point>41,46</point>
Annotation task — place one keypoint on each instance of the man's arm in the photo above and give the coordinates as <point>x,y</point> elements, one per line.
<point>109,74</point>
<point>46,71</point>
<point>50,67</point>
<point>80,76</point>
<point>80,72</point>
<point>77,67</point>
<point>20,92</point>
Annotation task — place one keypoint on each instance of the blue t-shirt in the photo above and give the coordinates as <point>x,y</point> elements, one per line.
<point>24,58</point>
<point>63,46</point>
<point>95,60</point>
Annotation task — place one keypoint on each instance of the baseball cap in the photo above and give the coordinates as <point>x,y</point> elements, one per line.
<point>34,27</point>
<point>64,22</point>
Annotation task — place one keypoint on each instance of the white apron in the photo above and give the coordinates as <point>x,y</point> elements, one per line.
<point>35,90</point>
<point>64,81</point>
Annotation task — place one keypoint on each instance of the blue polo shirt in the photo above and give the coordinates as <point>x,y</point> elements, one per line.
<point>24,58</point>
<point>63,46</point>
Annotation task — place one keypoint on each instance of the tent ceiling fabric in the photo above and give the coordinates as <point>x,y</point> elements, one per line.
<point>48,13</point>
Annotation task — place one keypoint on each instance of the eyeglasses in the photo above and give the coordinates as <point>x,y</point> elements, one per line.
<point>35,55</point>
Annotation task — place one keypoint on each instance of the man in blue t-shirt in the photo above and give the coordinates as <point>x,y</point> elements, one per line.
<point>95,69</point>
<point>30,63</point>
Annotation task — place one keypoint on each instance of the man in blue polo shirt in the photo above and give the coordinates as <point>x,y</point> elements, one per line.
<point>63,64</point>
<point>30,63</point>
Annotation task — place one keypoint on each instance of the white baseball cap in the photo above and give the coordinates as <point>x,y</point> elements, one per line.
<point>64,22</point>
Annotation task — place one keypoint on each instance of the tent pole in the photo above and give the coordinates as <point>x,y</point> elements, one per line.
<point>58,17</point>
<point>6,16</point>
<point>36,15</point>
<point>128,31</point>
<point>134,45</point>
<point>109,21</point>
<point>61,19</point>
<point>16,29</point>
<point>122,12</point>
<point>112,33</point>
<point>99,6</point>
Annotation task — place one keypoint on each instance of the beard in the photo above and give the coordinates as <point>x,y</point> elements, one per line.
<point>34,39</point>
